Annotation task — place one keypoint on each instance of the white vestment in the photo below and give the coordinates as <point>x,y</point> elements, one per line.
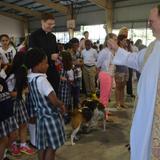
<point>141,130</point>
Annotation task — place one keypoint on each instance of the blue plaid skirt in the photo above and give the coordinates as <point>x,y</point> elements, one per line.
<point>7,126</point>
<point>30,107</point>
<point>64,93</point>
<point>20,111</point>
<point>50,131</point>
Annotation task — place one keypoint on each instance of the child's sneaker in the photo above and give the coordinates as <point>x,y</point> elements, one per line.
<point>15,151</point>
<point>27,150</point>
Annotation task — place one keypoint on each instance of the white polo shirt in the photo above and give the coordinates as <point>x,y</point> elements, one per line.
<point>89,57</point>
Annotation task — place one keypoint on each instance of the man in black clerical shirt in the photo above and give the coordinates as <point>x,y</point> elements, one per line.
<point>44,38</point>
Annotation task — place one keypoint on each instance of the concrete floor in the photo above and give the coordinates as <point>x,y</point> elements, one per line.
<point>99,145</point>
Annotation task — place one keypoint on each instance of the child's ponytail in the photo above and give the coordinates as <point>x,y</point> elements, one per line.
<point>20,72</point>
<point>21,80</point>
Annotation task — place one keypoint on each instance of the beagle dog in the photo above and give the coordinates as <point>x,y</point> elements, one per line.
<point>88,113</point>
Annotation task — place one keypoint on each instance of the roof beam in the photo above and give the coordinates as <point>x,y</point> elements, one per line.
<point>21,9</point>
<point>13,16</point>
<point>58,7</point>
<point>105,4</point>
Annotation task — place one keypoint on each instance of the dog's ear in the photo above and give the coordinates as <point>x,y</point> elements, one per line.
<point>87,113</point>
<point>83,103</point>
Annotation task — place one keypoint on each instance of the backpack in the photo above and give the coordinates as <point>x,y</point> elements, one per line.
<point>6,102</point>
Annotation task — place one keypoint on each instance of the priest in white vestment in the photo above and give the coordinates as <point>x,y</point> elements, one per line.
<point>145,130</point>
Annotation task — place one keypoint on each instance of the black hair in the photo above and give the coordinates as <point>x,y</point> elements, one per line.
<point>67,46</point>
<point>20,71</point>
<point>34,56</point>
<point>66,60</point>
<point>73,41</point>
<point>85,32</point>
<point>100,47</point>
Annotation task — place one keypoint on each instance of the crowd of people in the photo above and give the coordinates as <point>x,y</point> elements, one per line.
<point>41,82</point>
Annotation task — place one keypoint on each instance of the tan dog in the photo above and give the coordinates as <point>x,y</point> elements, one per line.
<point>79,117</point>
<point>88,113</point>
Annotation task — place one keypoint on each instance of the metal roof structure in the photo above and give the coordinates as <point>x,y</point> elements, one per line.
<point>34,8</point>
<point>28,10</point>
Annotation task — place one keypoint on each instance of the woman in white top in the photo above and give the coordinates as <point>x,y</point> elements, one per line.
<point>106,70</point>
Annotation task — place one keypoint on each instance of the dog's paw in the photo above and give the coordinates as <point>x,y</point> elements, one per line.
<point>72,143</point>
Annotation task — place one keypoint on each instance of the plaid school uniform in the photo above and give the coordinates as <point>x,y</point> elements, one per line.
<point>19,106</point>
<point>64,93</point>
<point>49,128</point>
<point>7,126</point>
<point>8,122</point>
<point>20,111</point>
<point>30,107</point>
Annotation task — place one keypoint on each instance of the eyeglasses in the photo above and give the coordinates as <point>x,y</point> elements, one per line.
<point>51,24</point>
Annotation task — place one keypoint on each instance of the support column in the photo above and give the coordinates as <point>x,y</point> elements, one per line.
<point>26,27</point>
<point>108,6</point>
<point>71,33</point>
<point>109,17</point>
<point>109,21</point>
<point>71,21</point>
<point>71,26</point>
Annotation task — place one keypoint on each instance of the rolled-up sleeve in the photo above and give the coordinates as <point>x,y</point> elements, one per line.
<point>133,60</point>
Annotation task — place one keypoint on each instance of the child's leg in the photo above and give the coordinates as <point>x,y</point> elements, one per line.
<point>41,154</point>
<point>50,154</point>
<point>12,137</point>
<point>24,148</point>
<point>23,133</point>
<point>117,93</point>
<point>12,143</point>
<point>122,93</point>
<point>3,146</point>
<point>32,130</point>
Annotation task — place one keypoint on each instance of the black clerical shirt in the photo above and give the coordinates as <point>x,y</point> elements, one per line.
<point>47,42</point>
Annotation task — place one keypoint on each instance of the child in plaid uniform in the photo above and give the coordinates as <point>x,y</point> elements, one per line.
<point>32,119</point>
<point>17,84</point>
<point>8,124</point>
<point>77,63</point>
<point>66,80</point>
<point>49,125</point>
